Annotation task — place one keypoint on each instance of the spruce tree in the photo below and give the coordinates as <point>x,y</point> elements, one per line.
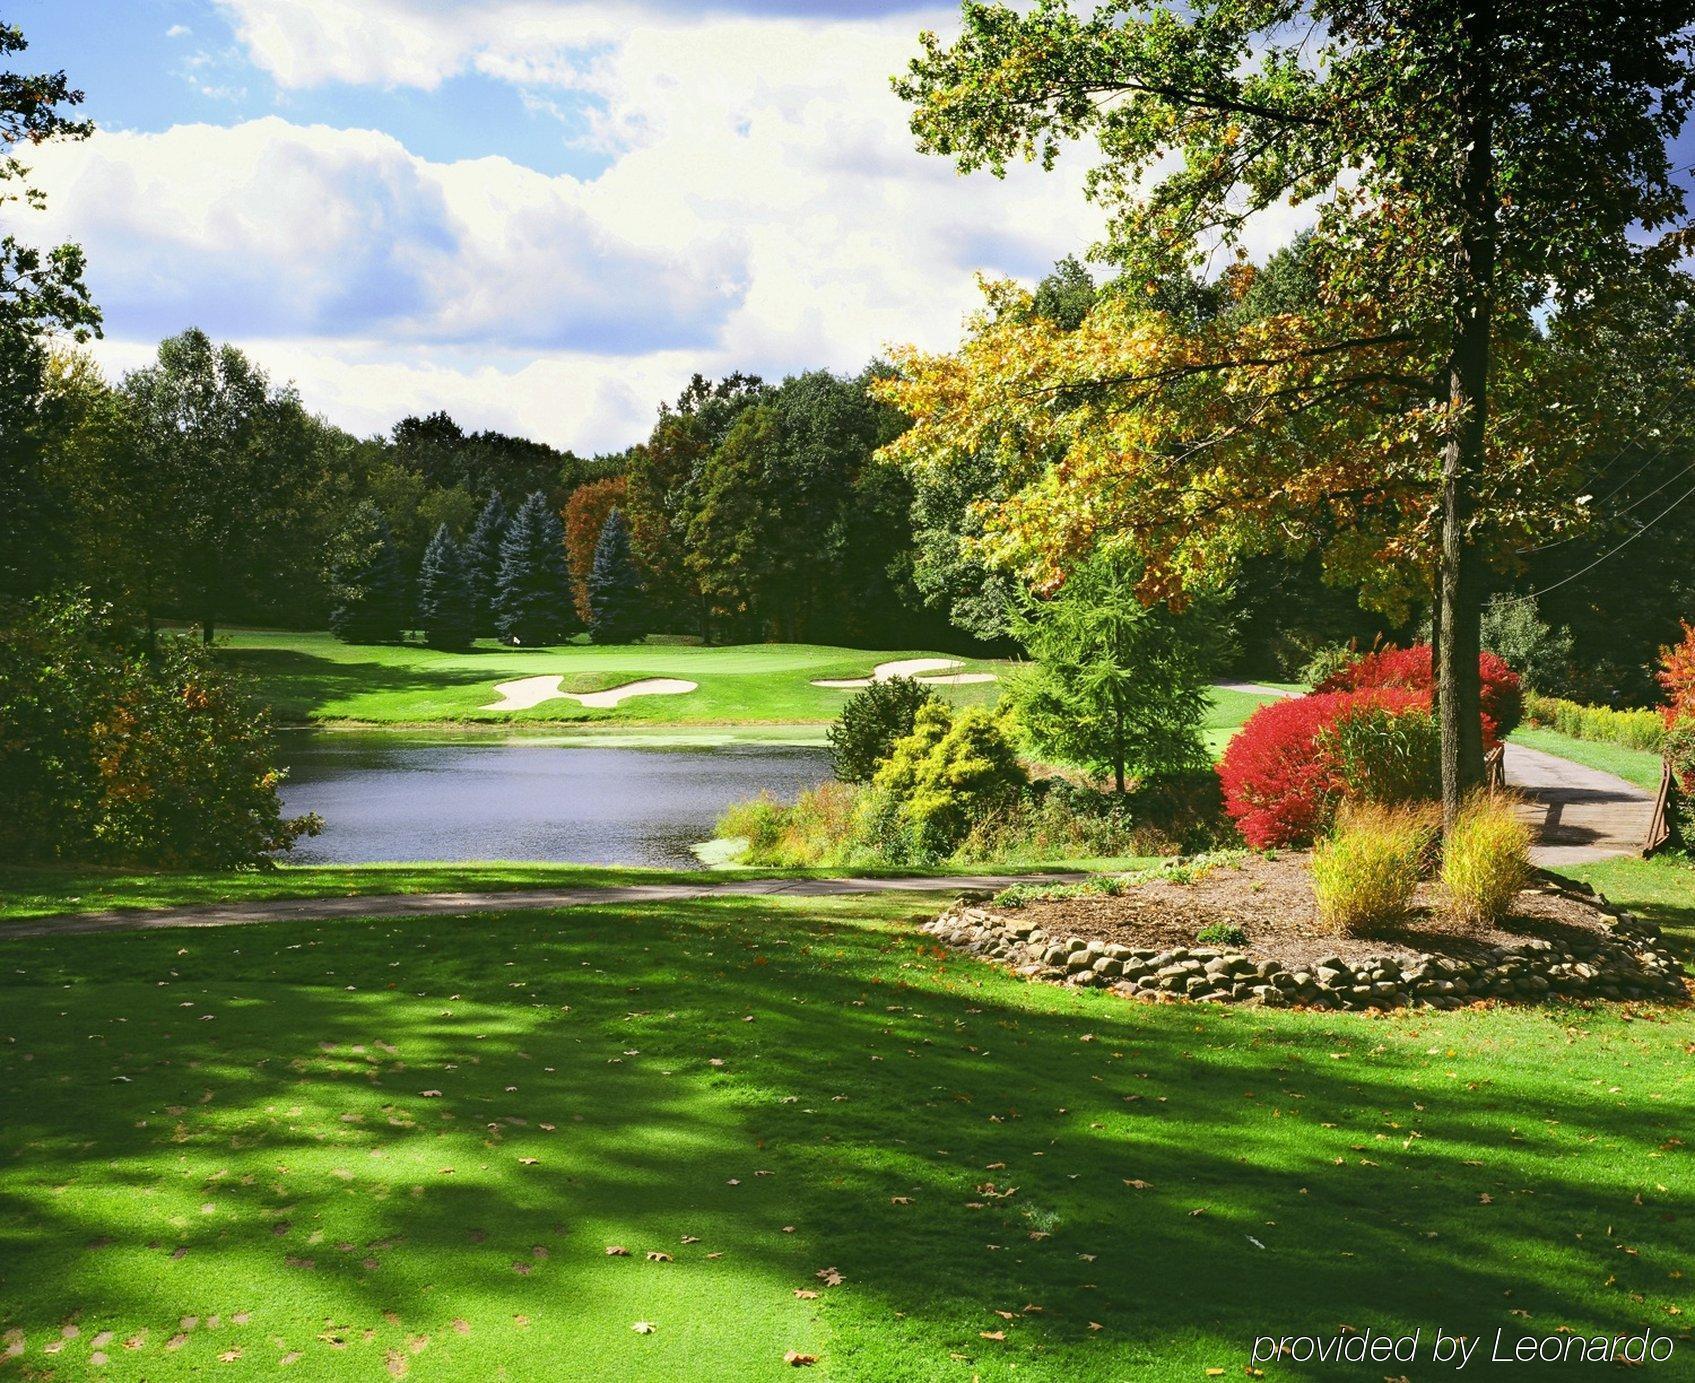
<point>367,594</point>
<point>482,563</point>
<point>444,594</point>
<point>617,602</point>
<point>532,603</point>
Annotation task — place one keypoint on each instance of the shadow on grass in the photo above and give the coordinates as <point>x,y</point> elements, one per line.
<point>957,1144</point>
<point>298,685</point>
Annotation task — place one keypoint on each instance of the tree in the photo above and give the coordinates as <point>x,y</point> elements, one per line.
<point>115,757</point>
<point>617,604</point>
<point>232,466</point>
<point>445,605</point>
<point>1539,654</point>
<point>41,292</point>
<point>585,524</point>
<point>665,475</point>
<point>532,603</point>
<point>482,563</point>
<point>367,594</point>
<point>1474,164</point>
<point>1115,685</point>
<point>865,732</point>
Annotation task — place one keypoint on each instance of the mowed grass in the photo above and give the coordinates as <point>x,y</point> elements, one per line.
<point>1230,710</point>
<point>310,677</point>
<point>36,891</point>
<point>407,1146</point>
<point>1636,766</point>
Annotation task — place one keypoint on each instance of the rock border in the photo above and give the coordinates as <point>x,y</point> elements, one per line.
<point>1629,960</point>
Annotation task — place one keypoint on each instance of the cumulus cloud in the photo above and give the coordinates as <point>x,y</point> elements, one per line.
<point>762,208</point>
<point>271,229</point>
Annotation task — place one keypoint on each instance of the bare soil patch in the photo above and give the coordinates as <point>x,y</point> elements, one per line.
<point>1271,900</point>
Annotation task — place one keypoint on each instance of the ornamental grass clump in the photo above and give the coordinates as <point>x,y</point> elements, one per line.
<point>1485,859</point>
<point>1366,871</point>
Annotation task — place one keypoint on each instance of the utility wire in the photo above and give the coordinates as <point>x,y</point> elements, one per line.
<point>1565,580</point>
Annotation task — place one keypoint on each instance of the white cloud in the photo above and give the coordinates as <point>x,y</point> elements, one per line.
<point>272,229</point>
<point>762,209</point>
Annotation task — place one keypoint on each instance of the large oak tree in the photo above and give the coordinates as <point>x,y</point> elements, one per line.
<point>1476,170</point>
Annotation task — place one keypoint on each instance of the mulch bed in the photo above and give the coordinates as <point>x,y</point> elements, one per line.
<point>1271,900</point>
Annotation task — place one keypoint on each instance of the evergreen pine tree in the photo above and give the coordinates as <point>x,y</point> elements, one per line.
<point>482,563</point>
<point>532,603</point>
<point>617,602</point>
<point>367,594</point>
<point>444,594</point>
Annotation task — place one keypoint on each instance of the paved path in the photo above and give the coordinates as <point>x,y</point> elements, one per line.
<point>1255,689</point>
<point>437,904</point>
<point>1580,814</point>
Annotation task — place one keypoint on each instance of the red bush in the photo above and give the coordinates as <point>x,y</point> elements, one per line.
<point>1280,785</point>
<point>1411,668</point>
<point>1677,676</point>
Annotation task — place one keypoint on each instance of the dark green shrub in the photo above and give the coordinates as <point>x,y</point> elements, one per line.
<point>108,756</point>
<point>1327,661</point>
<point>865,732</point>
<point>1221,934</point>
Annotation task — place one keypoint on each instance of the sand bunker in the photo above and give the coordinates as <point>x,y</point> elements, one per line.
<point>911,667</point>
<point>532,691</point>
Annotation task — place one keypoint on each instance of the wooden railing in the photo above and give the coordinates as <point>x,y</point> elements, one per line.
<point>1495,768</point>
<point>1660,829</point>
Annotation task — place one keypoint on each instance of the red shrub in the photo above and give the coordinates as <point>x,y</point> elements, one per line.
<point>1677,676</point>
<point>1280,784</point>
<point>1411,668</point>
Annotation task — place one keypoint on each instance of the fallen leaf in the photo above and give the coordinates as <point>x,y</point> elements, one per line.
<point>643,1327</point>
<point>617,1251</point>
<point>796,1360</point>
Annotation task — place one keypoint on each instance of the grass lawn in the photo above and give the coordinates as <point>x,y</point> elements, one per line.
<point>1229,710</point>
<point>1633,765</point>
<point>37,891</point>
<point>408,1146</point>
<point>29,891</point>
<point>313,677</point>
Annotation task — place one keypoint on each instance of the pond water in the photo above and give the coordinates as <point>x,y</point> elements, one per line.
<point>389,797</point>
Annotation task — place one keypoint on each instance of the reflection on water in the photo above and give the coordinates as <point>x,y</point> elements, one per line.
<point>386,797</point>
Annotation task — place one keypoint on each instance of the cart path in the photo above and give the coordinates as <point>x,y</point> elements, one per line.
<point>451,904</point>
<point>1580,814</point>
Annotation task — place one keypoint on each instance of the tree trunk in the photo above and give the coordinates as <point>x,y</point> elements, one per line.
<point>1436,618</point>
<point>207,631</point>
<point>1459,612</point>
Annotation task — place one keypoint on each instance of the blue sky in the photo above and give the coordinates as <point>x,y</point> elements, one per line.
<point>540,215</point>
<point>150,64</point>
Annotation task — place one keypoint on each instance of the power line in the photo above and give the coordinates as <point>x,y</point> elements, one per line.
<point>1565,580</point>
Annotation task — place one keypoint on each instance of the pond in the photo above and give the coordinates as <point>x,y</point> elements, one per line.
<point>392,797</point>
